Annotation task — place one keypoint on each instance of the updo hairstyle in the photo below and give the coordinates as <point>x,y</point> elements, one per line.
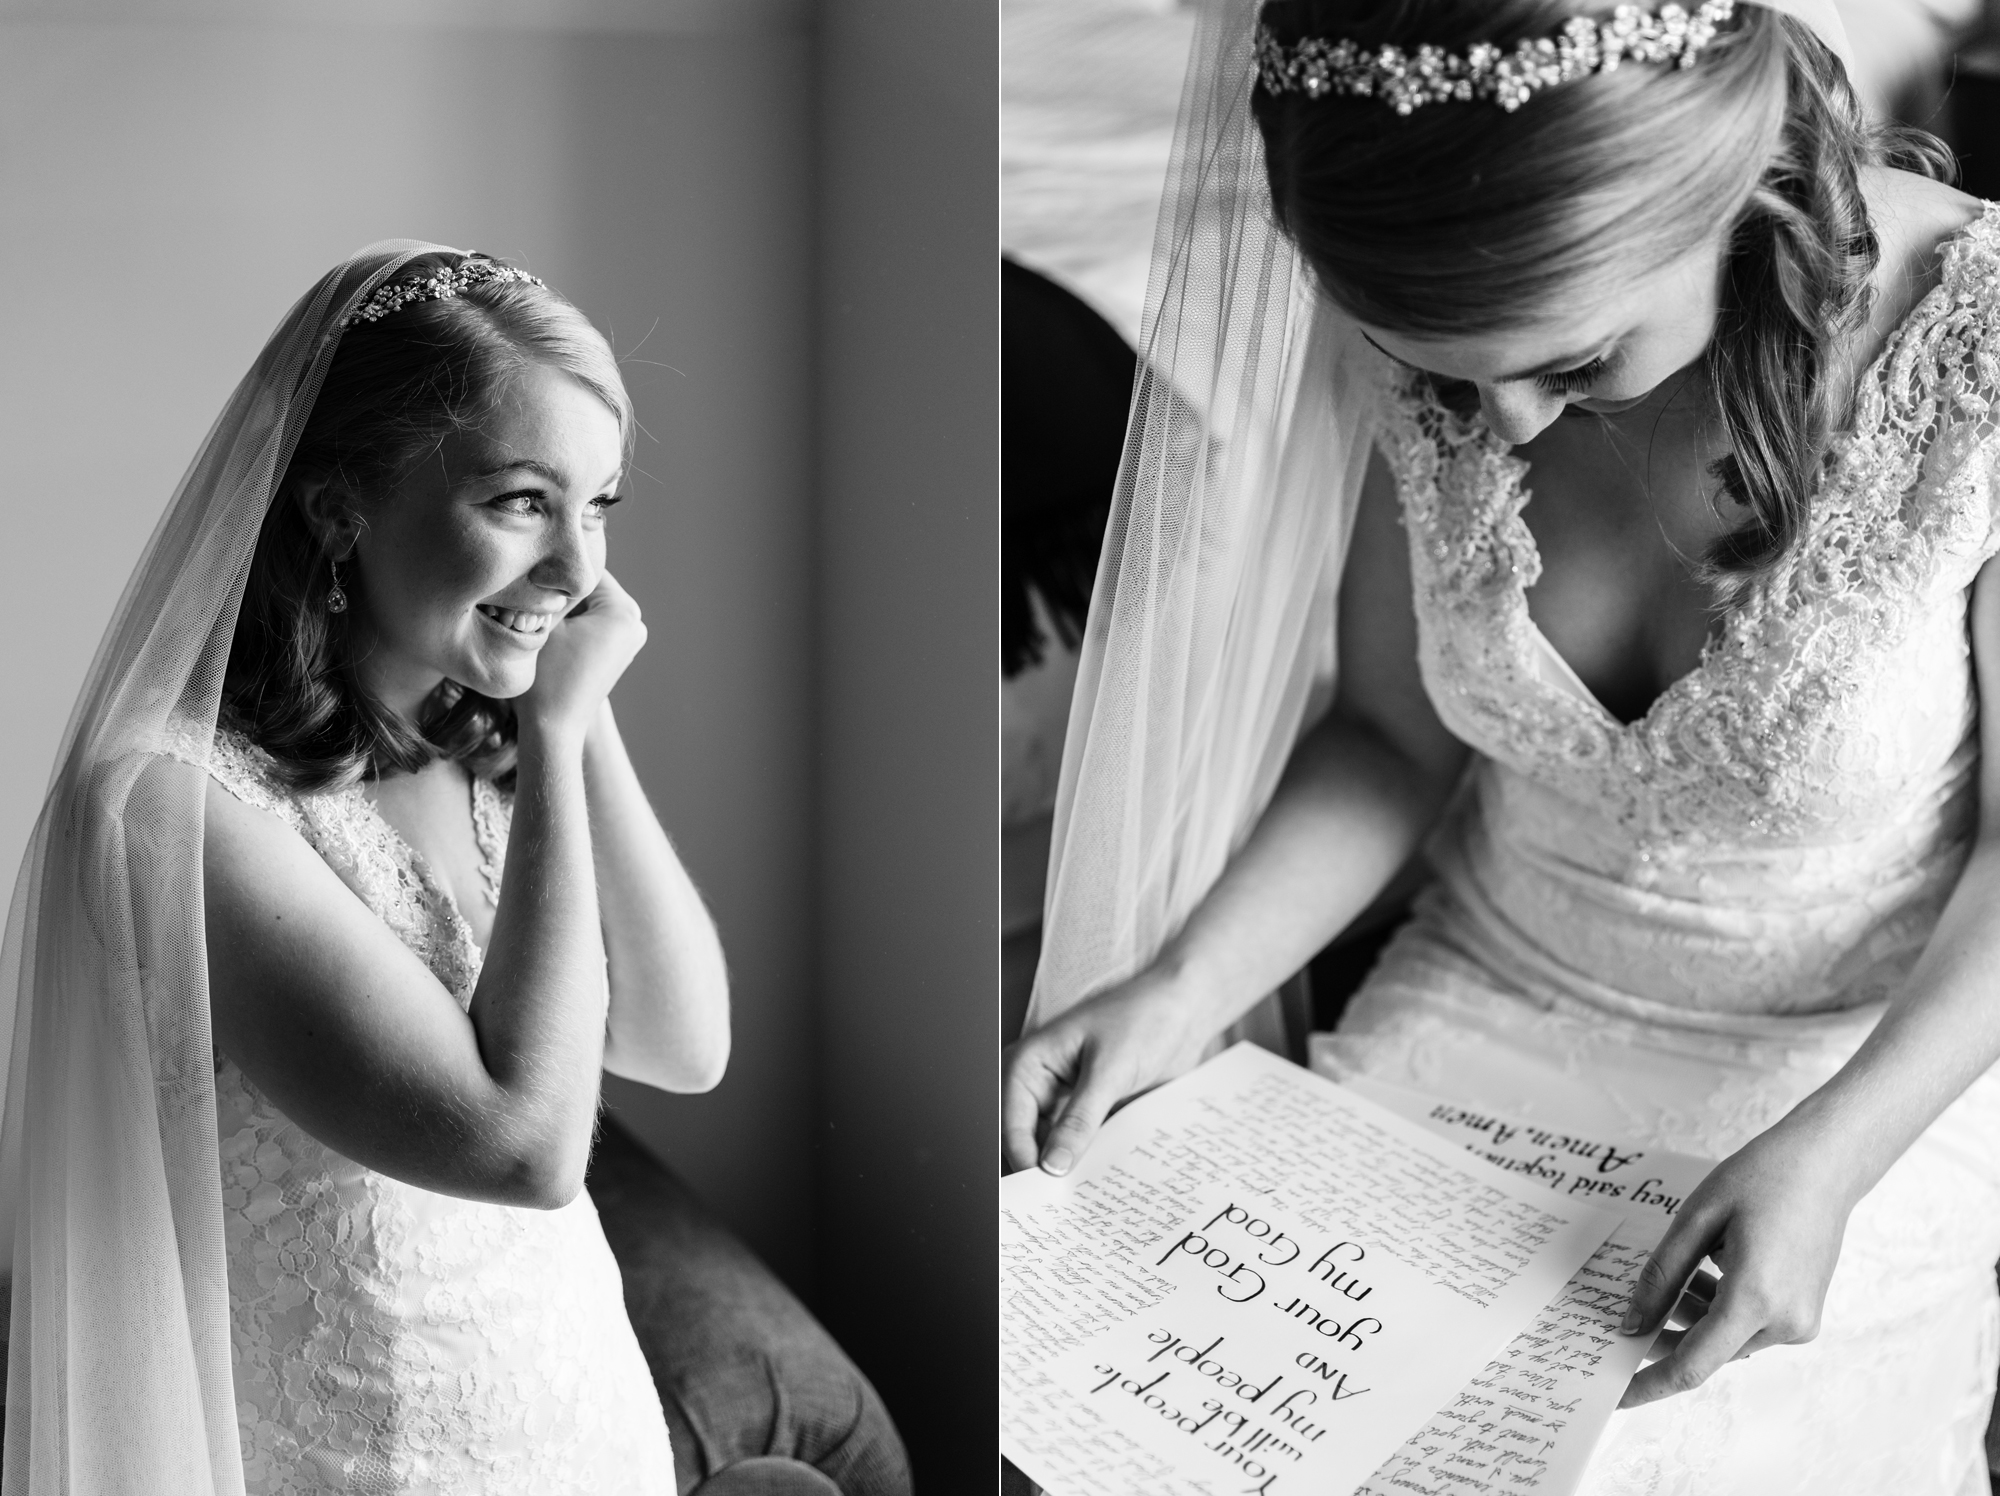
<point>395,390</point>
<point>1461,218</point>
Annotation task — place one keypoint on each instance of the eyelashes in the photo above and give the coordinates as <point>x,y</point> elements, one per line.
<point>527,498</point>
<point>1569,381</point>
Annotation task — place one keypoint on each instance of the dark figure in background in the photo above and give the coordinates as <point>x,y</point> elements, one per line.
<point>1065,390</point>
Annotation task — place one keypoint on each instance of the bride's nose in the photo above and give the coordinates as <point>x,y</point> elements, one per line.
<point>568,564</point>
<point>1519,410</point>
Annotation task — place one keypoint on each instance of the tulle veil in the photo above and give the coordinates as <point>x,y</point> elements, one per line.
<point>1210,645</point>
<point>118,1377</point>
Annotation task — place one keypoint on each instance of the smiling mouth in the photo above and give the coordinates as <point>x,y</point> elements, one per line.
<point>530,624</point>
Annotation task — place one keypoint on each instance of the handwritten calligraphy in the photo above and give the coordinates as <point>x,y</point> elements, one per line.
<point>1530,1419</point>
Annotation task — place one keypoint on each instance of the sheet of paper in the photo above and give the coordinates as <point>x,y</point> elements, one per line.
<point>1099,1271</point>
<point>1529,1421</point>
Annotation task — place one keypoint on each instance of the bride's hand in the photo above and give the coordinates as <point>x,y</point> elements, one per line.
<point>1771,1218</point>
<point>1072,1072</point>
<point>587,651</point>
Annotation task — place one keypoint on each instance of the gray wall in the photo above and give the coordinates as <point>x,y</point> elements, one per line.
<point>908,778</point>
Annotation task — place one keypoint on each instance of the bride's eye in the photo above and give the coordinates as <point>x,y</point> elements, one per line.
<point>1569,381</point>
<point>516,503</point>
<point>601,505</point>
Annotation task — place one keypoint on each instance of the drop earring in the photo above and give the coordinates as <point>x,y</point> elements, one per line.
<point>336,600</point>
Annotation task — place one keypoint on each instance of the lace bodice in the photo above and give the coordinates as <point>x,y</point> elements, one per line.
<point>386,1338</point>
<point>1668,932</point>
<point>1800,803</point>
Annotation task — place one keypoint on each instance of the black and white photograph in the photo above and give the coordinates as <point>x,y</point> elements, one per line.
<point>1052,747</point>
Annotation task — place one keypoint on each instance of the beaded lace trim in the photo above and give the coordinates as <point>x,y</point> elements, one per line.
<point>1746,742</point>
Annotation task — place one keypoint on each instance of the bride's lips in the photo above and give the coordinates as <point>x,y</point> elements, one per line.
<point>520,625</point>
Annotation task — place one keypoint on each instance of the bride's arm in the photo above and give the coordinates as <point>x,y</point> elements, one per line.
<point>340,1025</point>
<point>1772,1215</point>
<point>669,1019</point>
<point>1359,793</point>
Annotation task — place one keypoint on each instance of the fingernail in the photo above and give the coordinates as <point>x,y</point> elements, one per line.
<point>1629,1325</point>
<point>1056,1161</point>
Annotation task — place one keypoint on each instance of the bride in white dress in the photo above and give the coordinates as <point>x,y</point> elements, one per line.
<point>1691,741</point>
<point>346,894</point>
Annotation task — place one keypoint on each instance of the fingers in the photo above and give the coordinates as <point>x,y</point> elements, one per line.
<point>1688,1311</point>
<point>608,589</point>
<point>1739,1320</point>
<point>1032,1080</point>
<point>1696,1299</point>
<point>1667,1341</point>
<point>1095,1092</point>
<point>1726,1330</point>
<point>1673,1261</point>
<point>1073,1072</point>
<point>608,593</point>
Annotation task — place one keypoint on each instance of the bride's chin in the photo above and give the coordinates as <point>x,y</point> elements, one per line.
<point>510,687</point>
<point>498,684</point>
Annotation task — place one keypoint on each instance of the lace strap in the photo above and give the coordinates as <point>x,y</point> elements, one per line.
<point>1412,434</point>
<point>492,820</point>
<point>246,771</point>
<point>1909,502</point>
<point>1934,388</point>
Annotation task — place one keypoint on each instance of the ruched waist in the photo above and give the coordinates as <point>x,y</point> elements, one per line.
<point>1748,939</point>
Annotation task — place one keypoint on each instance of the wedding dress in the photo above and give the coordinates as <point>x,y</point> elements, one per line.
<point>388,1339</point>
<point>1670,931</point>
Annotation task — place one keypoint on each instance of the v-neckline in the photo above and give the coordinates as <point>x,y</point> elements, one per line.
<point>427,875</point>
<point>1521,470</point>
<point>1567,677</point>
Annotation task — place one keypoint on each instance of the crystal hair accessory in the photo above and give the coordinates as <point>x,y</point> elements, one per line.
<point>1315,66</point>
<point>439,285</point>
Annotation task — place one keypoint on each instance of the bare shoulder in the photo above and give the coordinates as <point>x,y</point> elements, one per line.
<point>154,811</point>
<point>159,798</point>
<point>267,891</point>
<point>272,899</point>
<point>1914,217</point>
<point>161,781</point>
<point>239,835</point>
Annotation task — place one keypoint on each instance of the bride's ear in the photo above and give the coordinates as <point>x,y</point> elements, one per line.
<point>329,512</point>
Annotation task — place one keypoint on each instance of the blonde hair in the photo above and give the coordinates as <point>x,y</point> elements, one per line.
<point>1463,218</point>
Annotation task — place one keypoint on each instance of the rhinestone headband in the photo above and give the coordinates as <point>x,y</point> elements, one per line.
<point>1315,66</point>
<point>439,285</point>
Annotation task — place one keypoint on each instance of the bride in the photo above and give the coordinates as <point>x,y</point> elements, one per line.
<point>345,893</point>
<point>1588,480</point>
